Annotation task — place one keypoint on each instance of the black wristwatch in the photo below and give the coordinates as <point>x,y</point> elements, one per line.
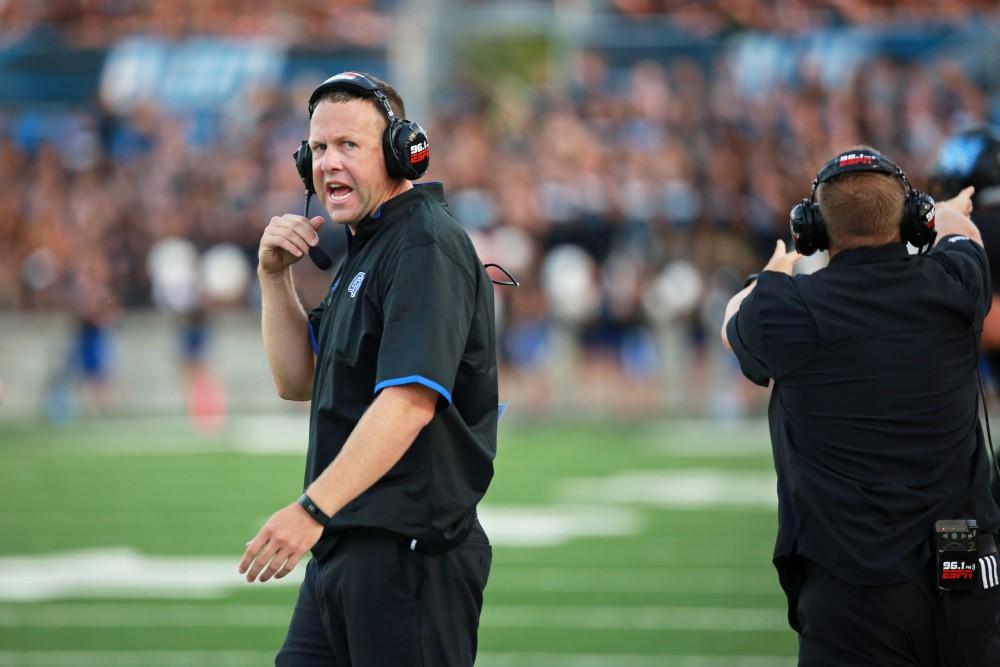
<point>751,279</point>
<point>315,512</point>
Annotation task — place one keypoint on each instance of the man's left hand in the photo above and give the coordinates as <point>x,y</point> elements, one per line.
<point>962,202</point>
<point>280,544</point>
<point>782,260</point>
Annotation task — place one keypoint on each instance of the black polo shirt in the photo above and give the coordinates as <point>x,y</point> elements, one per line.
<point>873,414</point>
<point>411,304</point>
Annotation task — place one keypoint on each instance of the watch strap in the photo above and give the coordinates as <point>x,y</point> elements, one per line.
<point>314,511</point>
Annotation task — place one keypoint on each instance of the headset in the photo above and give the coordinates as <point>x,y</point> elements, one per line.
<point>404,147</point>
<point>809,230</point>
<point>404,143</point>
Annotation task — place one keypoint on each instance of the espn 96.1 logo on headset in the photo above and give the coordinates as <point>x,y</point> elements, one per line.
<point>809,230</point>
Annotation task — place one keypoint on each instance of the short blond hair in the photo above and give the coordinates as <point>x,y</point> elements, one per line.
<point>862,208</point>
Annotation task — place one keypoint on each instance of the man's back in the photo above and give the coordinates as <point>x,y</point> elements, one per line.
<point>873,414</point>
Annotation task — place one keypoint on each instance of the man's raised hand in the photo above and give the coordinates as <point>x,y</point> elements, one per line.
<point>286,240</point>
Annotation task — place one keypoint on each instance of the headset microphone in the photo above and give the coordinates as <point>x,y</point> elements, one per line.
<point>303,165</point>
<point>316,254</point>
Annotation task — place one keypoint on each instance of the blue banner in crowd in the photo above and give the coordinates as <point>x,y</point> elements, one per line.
<point>188,75</point>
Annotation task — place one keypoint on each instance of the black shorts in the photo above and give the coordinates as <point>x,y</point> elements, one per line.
<point>375,603</point>
<point>906,625</point>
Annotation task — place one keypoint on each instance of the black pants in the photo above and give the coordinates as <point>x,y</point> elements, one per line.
<point>374,603</point>
<point>909,624</point>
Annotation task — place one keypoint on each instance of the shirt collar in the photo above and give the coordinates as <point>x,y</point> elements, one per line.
<point>387,211</point>
<point>871,254</point>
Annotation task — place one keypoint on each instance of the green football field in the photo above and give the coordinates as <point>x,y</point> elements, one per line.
<point>615,546</point>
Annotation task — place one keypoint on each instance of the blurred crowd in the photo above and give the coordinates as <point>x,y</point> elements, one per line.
<point>675,186</point>
<point>712,17</point>
<point>94,23</point>
<point>367,22</point>
<point>629,202</point>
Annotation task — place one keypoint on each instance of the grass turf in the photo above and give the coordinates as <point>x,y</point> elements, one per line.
<point>692,586</point>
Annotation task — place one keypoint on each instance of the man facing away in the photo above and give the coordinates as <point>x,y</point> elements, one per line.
<point>873,420</point>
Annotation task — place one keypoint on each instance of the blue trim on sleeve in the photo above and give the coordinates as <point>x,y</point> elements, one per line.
<point>312,338</point>
<point>414,379</point>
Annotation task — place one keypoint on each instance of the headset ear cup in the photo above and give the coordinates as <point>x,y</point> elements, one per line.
<point>392,163</point>
<point>918,220</point>
<point>407,151</point>
<point>303,165</point>
<point>808,229</point>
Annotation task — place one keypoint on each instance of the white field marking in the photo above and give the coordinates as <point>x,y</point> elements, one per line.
<point>225,658</point>
<point>250,434</point>
<point>141,615</point>
<point>676,447</point>
<point>287,433</point>
<point>550,525</point>
<point>127,574</point>
<point>687,437</point>
<point>270,434</point>
<point>176,615</point>
<point>688,489</point>
<point>640,580</point>
<point>123,572</point>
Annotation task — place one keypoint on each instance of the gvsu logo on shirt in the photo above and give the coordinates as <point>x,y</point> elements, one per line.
<point>355,285</point>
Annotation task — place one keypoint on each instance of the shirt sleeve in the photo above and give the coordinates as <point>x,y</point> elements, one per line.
<point>753,367</point>
<point>773,330</point>
<point>427,313</point>
<point>966,261</point>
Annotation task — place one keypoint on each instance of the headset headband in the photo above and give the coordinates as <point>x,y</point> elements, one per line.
<point>858,160</point>
<point>354,82</point>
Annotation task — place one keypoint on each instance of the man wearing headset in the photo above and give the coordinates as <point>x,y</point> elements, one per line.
<point>874,423</point>
<point>399,362</point>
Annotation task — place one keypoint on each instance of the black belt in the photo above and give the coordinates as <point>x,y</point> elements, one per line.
<point>431,546</point>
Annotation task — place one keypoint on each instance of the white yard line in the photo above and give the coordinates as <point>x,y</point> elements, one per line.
<point>704,488</point>
<point>125,573</point>
<point>163,615</point>
<point>121,572</point>
<point>552,525</point>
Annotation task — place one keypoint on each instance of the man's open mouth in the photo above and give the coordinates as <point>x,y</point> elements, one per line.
<point>338,193</point>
